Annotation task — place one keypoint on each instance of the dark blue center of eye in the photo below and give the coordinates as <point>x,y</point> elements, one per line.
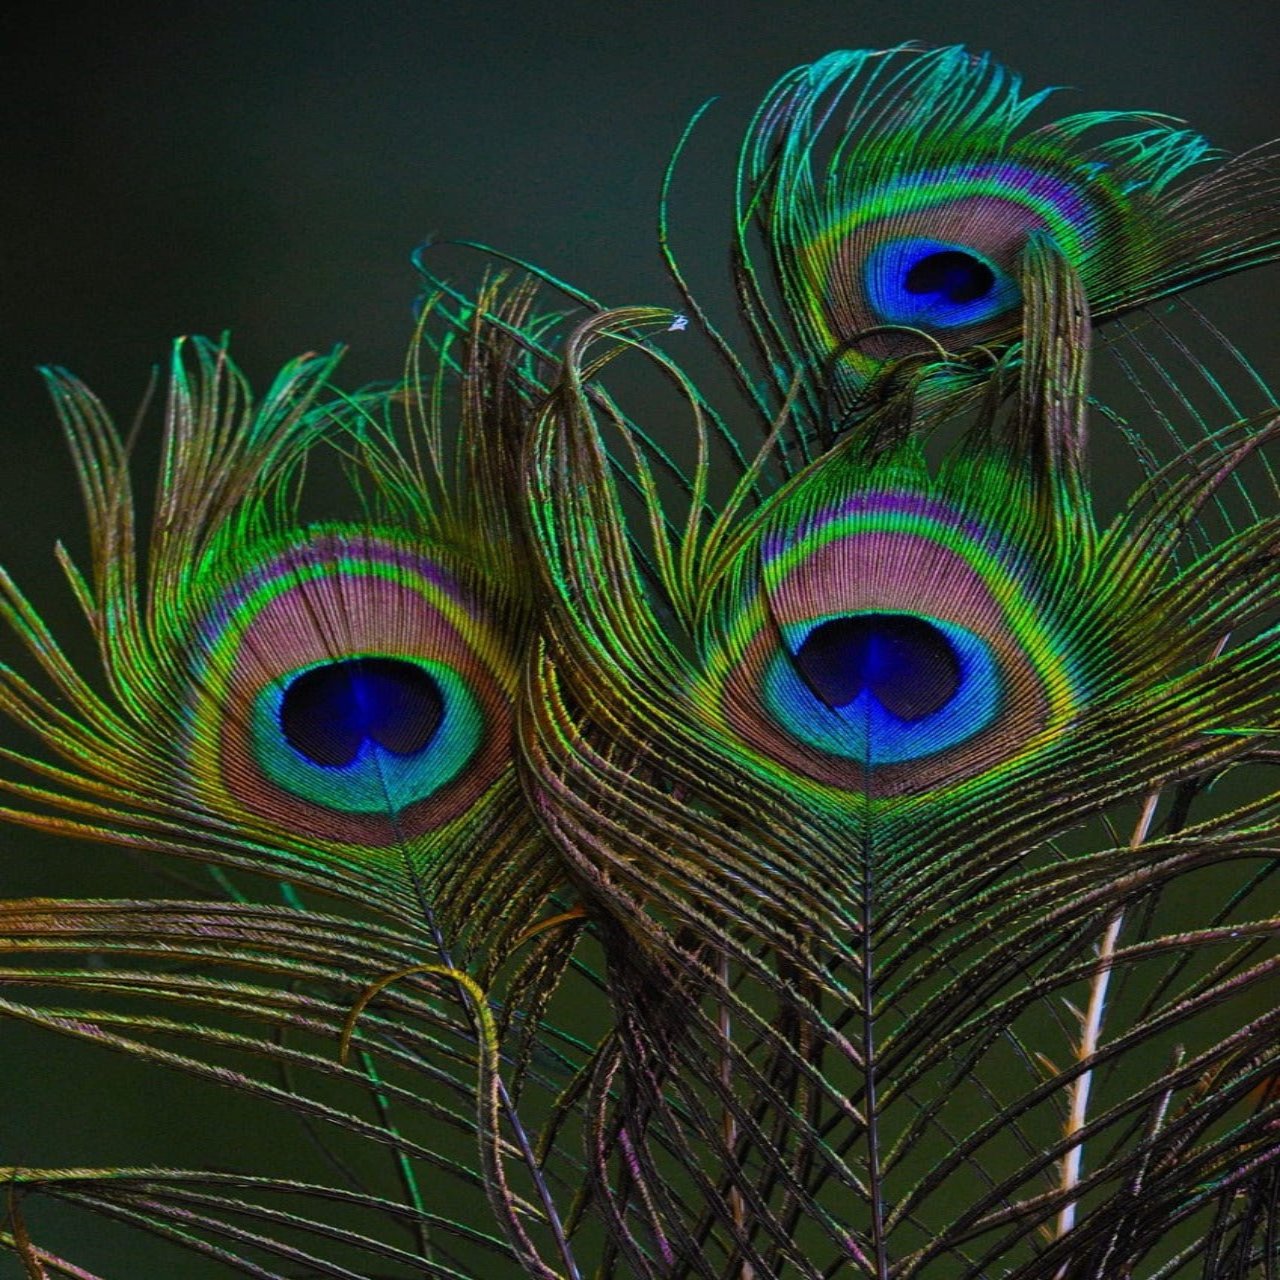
<point>950,275</point>
<point>905,663</point>
<point>330,712</point>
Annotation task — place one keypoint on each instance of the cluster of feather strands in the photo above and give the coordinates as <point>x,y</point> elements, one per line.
<point>836,841</point>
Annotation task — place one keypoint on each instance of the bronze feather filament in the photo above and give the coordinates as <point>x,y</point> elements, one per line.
<point>842,845</point>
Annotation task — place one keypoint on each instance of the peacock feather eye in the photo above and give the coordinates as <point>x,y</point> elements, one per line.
<point>883,687</point>
<point>898,190</point>
<point>930,284</point>
<point>939,250</point>
<point>889,641</point>
<point>348,686</point>
<point>335,711</point>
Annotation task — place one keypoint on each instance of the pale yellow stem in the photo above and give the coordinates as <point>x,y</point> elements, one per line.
<point>1091,1034</point>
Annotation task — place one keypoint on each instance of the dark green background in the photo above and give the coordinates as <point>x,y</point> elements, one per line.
<point>267,168</point>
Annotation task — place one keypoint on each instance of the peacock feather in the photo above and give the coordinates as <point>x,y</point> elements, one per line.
<point>346,715</point>
<point>885,200</point>
<point>849,854</point>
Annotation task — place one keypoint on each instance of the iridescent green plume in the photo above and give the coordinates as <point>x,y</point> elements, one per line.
<point>885,200</point>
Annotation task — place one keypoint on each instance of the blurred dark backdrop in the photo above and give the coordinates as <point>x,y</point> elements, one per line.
<point>268,167</point>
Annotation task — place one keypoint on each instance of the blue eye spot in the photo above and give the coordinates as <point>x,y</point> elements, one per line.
<point>951,276</point>
<point>906,664</point>
<point>931,284</point>
<point>882,688</point>
<point>329,713</point>
<point>367,733</point>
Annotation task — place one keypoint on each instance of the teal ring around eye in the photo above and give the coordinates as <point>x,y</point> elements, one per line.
<point>376,779</point>
<point>863,730</point>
